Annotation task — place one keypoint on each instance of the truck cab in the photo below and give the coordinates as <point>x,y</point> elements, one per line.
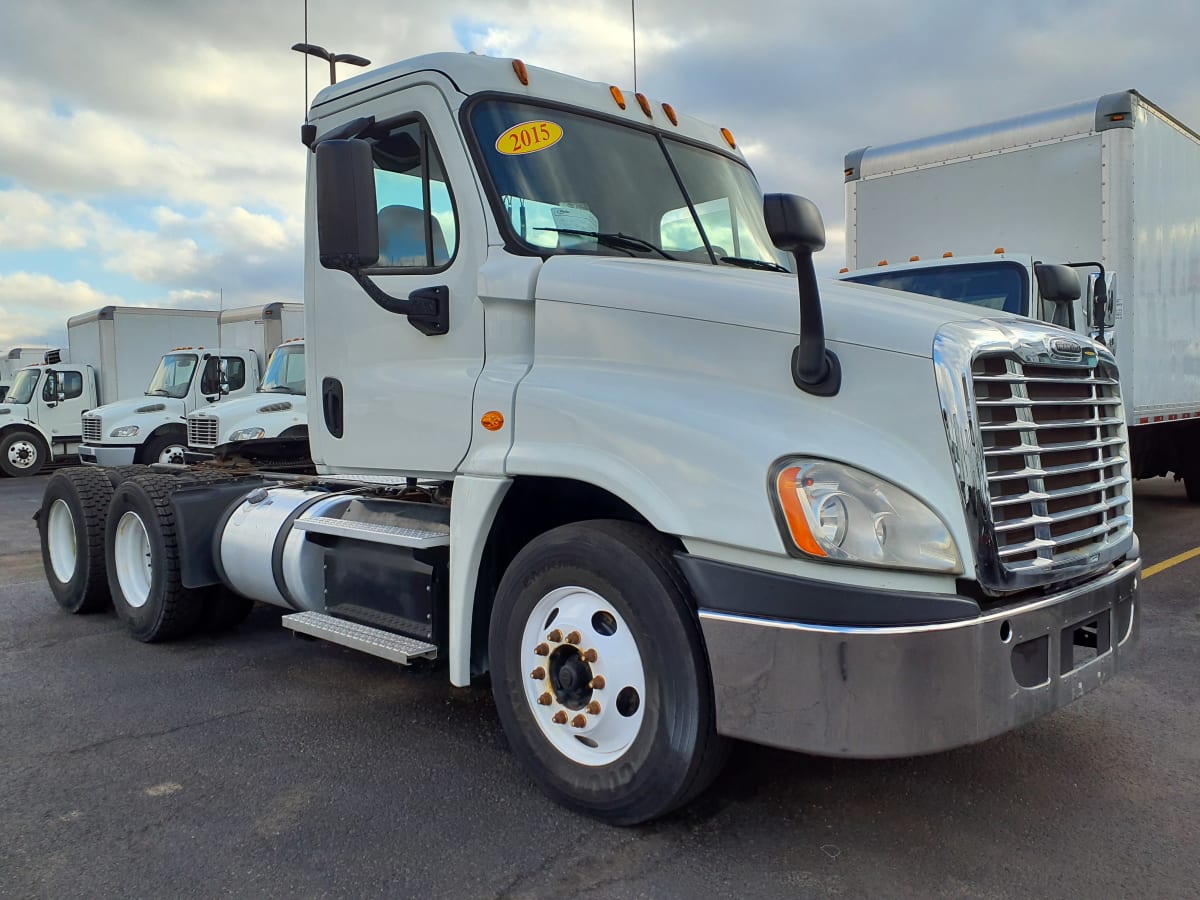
<point>13,359</point>
<point>40,417</point>
<point>152,428</point>
<point>277,410</point>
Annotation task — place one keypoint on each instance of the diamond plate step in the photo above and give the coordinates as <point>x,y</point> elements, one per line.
<point>375,641</point>
<point>426,534</point>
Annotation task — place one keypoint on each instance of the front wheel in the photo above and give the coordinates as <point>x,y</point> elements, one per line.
<point>599,672</point>
<point>23,453</point>
<point>164,448</point>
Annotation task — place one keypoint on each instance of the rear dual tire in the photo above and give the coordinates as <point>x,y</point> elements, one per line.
<point>71,529</point>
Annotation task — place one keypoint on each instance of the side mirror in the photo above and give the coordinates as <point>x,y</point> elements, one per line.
<point>1058,284</point>
<point>347,223</point>
<point>794,223</point>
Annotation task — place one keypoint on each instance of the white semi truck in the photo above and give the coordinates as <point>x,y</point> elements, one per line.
<point>13,359</point>
<point>275,414</point>
<point>113,353</point>
<point>1109,185</point>
<point>143,430</point>
<point>573,429</point>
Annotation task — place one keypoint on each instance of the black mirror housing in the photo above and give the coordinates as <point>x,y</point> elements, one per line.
<point>1058,284</point>
<point>347,222</point>
<point>794,223</point>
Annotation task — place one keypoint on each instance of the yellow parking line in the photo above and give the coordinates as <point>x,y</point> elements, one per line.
<point>1173,561</point>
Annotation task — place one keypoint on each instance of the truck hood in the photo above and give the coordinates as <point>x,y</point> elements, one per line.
<point>13,412</point>
<point>136,410</point>
<point>254,406</point>
<point>853,314</point>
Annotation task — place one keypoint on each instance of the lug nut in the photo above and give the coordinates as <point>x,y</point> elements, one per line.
<point>538,674</point>
<point>590,655</point>
<point>597,683</point>
<point>574,637</point>
<point>555,635</point>
<point>546,699</point>
<point>579,721</point>
<point>541,650</point>
<point>560,718</point>
<point>593,708</point>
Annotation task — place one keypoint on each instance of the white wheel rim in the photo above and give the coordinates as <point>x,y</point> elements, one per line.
<point>22,454</point>
<point>172,454</point>
<point>60,538</point>
<point>131,553</point>
<point>601,729</point>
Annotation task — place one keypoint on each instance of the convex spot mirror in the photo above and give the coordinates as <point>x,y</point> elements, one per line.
<point>347,224</point>
<point>794,223</point>
<point>1057,284</point>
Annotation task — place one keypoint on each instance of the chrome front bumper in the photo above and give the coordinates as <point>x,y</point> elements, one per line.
<point>98,455</point>
<point>866,692</point>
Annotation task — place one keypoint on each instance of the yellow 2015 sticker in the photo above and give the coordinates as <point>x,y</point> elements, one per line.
<point>529,137</point>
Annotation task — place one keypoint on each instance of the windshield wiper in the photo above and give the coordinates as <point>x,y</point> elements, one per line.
<point>615,240</point>
<point>157,392</point>
<point>746,263</point>
<point>276,390</point>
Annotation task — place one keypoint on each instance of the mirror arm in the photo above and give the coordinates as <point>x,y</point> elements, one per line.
<point>428,309</point>
<point>815,368</point>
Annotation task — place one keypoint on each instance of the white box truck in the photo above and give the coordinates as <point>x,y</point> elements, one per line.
<point>1109,184</point>
<point>153,428</point>
<point>13,359</point>
<point>276,415</point>
<point>113,353</point>
<point>578,423</point>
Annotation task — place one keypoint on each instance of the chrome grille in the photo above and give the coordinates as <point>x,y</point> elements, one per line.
<point>92,430</point>
<point>1036,431</point>
<point>1054,452</point>
<point>203,431</point>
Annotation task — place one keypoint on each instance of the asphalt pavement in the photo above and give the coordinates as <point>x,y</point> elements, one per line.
<point>255,764</point>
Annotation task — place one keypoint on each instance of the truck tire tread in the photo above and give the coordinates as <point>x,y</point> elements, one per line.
<point>87,591</point>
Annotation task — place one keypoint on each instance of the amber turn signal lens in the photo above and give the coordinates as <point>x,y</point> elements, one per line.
<point>492,420</point>
<point>617,95</point>
<point>788,486</point>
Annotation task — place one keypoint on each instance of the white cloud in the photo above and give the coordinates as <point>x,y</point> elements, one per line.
<point>35,307</point>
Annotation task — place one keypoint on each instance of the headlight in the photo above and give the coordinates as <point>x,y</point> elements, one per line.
<point>124,431</point>
<point>247,434</point>
<point>838,513</point>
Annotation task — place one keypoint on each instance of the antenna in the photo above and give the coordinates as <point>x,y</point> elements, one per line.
<point>220,313</point>
<point>633,28</point>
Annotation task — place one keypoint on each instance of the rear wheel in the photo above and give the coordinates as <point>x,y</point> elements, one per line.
<point>143,559</point>
<point>23,453</point>
<point>71,528</point>
<point>599,672</point>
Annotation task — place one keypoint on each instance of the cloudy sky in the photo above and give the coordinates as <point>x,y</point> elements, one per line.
<point>149,151</point>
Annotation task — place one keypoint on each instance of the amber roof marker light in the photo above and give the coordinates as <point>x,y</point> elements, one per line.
<point>617,95</point>
<point>728,135</point>
<point>522,72</point>
<point>670,111</point>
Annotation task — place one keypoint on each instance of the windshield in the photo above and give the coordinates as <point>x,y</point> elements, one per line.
<point>174,376</point>
<point>573,183</point>
<point>993,285</point>
<point>285,371</point>
<point>22,386</point>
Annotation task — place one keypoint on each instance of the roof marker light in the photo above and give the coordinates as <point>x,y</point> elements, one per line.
<point>914,259</point>
<point>1117,117</point>
<point>522,72</point>
<point>999,250</point>
<point>725,133</point>
<point>617,95</point>
<point>670,111</point>
<point>849,172</point>
<point>843,270</point>
<point>947,255</point>
<point>882,262</point>
<point>645,105</point>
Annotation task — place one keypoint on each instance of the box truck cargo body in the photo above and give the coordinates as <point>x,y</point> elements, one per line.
<point>1113,180</point>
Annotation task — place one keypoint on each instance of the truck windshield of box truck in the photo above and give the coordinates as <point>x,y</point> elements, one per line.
<point>23,386</point>
<point>173,376</point>
<point>993,285</point>
<point>285,372</point>
<point>567,182</point>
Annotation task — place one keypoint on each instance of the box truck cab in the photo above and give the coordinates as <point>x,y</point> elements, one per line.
<point>153,428</point>
<point>586,420</point>
<point>277,410</point>
<point>113,353</point>
<point>13,359</point>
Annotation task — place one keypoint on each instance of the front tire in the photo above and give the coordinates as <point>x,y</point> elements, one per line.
<point>22,454</point>
<point>599,672</point>
<point>71,528</point>
<point>142,554</point>
<point>164,448</point>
